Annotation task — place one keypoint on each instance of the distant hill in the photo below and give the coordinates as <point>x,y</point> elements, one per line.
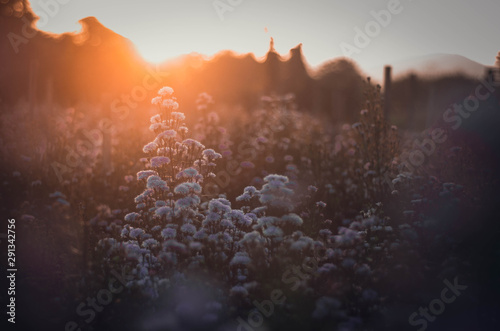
<point>432,65</point>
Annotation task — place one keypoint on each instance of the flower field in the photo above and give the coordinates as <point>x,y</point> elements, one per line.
<point>270,219</point>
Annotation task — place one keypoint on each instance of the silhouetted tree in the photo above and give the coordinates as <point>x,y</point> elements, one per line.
<point>296,79</point>
<point>273,70</point>
<point>340,86</point>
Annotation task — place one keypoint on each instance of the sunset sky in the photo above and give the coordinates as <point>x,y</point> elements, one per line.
<point>163,29</point>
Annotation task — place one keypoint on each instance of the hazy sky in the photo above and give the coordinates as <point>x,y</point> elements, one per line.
<point>162,29</point>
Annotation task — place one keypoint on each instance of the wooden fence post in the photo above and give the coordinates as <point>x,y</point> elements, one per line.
<point>387,91</point>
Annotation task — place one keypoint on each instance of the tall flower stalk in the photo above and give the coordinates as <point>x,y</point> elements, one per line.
<point>159,235</point>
